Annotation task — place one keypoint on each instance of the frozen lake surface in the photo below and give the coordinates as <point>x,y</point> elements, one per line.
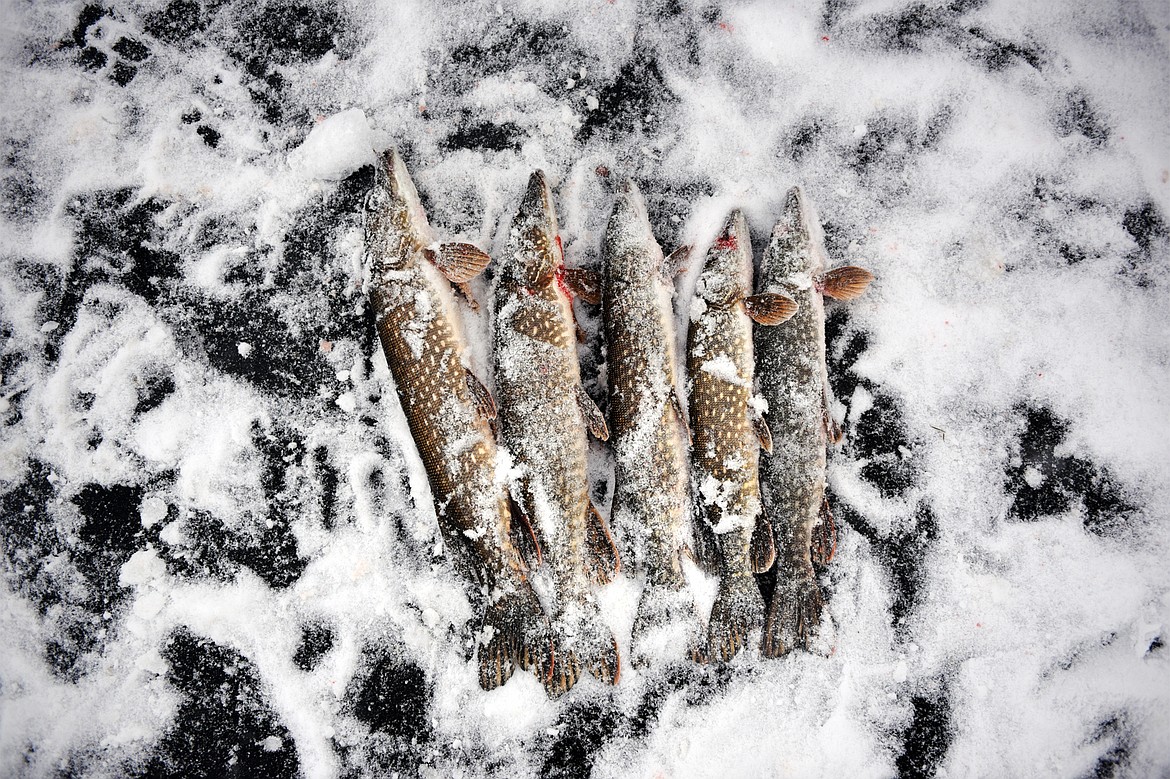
<point>219,552</point>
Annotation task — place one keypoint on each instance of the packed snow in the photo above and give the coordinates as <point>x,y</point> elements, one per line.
<point>219,549</point>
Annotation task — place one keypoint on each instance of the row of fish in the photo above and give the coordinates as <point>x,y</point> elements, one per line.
<point>750,512</point>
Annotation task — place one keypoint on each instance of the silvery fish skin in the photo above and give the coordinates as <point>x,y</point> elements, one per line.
<point>542,425</point>
<point>649,438</point>
<point>793,378</point>
<point>419,331</point>
<point>725,449</point>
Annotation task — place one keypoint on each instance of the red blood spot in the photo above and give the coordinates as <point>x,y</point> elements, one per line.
<point>560,249</point>
<point>602,171</point>
<point>727,26</point>
<point>727,241</point>
<point>946,321</point>
<point>825,38</point>
<point>978,624</point>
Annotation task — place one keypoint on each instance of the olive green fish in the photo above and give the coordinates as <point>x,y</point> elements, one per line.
<point>449,413</point>
<point>649,432</point>
<point>545,417</point>
<point>728,432</point>
<point>793,379</point>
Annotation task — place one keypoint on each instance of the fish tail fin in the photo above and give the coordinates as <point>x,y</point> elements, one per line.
<point>738,610</point>
<point>584,643</point>
<point>666,625</point>
<point>794,616</point>
<point>519,638</point>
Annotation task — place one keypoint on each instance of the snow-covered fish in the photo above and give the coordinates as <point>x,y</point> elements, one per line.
<point>649,433</point>
<point>794,381</point>
<point>449,413</point>
<point>728,432</point>
<point>545,418</point>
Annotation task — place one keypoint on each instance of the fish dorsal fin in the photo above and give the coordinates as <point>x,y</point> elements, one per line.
<point>592,415</point>
<point>675,263</point>
<point>485,404</point>
<point>524,535</point>
<point>603,561</point>
<point>583,283</point>
<point>844,283</point>
<point>760,426</point>
<point>676,404</point>
<point>705,551</point>
<point>458,262</point>
<point>770,308</point>
<point>824,537</point>
<point>763,549</point>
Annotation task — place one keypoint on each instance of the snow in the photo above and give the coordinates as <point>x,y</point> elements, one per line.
<point>203,459</point>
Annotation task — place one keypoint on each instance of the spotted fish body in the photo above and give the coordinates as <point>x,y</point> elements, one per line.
<point>649,440</point>
<point>418,328</point>
<point>793,379</point>
<point>538,383</point>
<point>725,449</point>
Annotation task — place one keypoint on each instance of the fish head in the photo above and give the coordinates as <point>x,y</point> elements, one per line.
<point>631,253</point>
<point>796,252</point>
<point>534,252</point>
<point>727,271</point>
<point>394,215</point>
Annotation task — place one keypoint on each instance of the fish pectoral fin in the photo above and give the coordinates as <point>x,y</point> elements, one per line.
<point>770,308</point>
<point>844,283</point>
<point>676,404</point>
<point>675,263</point>
<point>603,561</point>
<point>485,404</point>
<point>763,549</point>
<point>524,535</point>
<point>458,262</point>
<point>824,537</point>
<point>592,415</point>
<point>763,434</point>
<point>583,283</point>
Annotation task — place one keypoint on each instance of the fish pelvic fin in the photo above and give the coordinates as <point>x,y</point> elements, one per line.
<point>603,561</point>
<point>738,611</point>
<point>520,638</point>
<point>592,415</point>
<point>760,428</point>
<point>524,535</point>
<point>592,649</point>
<point>763,549</point>
<point>485,404</point>
<point>824,537</point>
<point>844,283</point>
<point>794,616</point>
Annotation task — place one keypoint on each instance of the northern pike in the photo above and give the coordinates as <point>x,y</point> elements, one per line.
<point>449,413</point>
<point>728,431</point>
<point>649,431</point>
<point>794,381</point>
<point>545,418</point>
